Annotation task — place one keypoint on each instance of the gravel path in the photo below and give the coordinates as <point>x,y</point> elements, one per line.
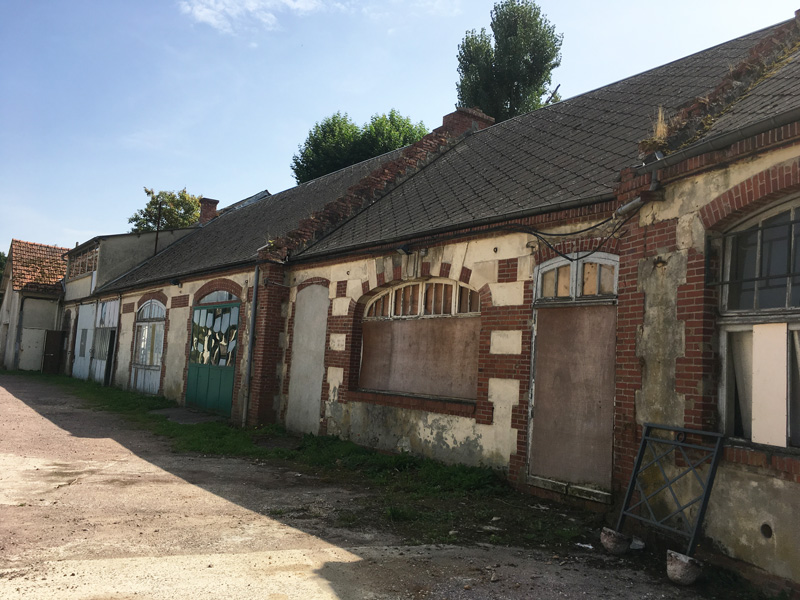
<point>91,508</point>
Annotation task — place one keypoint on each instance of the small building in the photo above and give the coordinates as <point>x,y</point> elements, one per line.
<point>30,329</point>
<point>91,320</point>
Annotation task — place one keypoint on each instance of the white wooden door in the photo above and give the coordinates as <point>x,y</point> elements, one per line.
<point>83,341</point>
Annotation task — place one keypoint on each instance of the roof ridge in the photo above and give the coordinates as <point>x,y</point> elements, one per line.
<point>650,70</point>
<point>361,195</point>
<point>37,244</point>
<point>695,117</point>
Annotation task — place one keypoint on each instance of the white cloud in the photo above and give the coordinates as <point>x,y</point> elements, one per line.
<point>382,10</point>
<point>229,16</point>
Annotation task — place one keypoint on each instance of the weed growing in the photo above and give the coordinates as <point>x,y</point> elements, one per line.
<point>420,500</point>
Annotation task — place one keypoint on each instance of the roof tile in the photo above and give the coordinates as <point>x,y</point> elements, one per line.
<point>36,267</point>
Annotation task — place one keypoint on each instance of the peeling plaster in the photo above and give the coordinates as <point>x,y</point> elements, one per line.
<point>508,294</point>
<point>661,339</point>
<point>743,500</point>
<point>505,342</point>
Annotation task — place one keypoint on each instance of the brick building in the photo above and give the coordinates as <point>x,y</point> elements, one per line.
<point>525,295</point>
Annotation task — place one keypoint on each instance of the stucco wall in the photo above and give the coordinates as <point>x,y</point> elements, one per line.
<point>742,503</point>
<point>39,314</point>
<point>180,300</point>
<point>488,437</point>
<point>77,288</point>
<point>119,254</point>
<point>755,500</point>
<point>447,438</point>
<point>9,313</point>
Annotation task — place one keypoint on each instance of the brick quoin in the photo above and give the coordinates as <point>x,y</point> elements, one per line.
<point>179,301</point>
<point>507,270</point>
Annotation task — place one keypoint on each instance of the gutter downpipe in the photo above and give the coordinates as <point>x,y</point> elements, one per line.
<point>250,346</point>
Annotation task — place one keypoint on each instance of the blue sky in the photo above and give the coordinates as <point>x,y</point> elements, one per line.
<point>100,98</point>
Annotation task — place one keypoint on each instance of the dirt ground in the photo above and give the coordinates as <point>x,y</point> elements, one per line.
<point>92,508</point>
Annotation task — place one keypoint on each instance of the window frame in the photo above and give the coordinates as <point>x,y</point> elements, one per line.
<point>232,354</point>
<point>147,324</point>
<point>420,303</point>
<point>576,261</point>
<point>211,298</point>
<point>727,247</point>
<point>83,263</point>
<point>737,320</point>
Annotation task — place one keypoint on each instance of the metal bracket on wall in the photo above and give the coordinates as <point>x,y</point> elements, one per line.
<point>673,463</point>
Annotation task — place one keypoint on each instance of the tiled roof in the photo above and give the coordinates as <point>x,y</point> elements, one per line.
<point>36,267</point>
<point>776,93</point>
<point>562,155</point>
<point>235,236</point>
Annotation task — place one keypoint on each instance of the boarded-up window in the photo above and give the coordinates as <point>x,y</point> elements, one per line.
<point>422,339</point>
<point>575,276</point>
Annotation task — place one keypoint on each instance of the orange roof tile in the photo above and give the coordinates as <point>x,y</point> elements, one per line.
<point>36,267</point>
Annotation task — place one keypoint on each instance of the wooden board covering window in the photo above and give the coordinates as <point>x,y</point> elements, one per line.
<point>430,357</point>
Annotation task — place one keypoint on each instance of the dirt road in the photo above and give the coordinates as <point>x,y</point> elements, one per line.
<point>91,508</point>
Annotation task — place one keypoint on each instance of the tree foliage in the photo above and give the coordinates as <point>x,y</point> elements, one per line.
<point>177,209</point>
<point>336,142</point>
<point>507,72</point>
<point>2,263</point>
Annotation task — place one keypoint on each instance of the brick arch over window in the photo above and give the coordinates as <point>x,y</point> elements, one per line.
<point>314,281</point>
<point>545,253</point>
<point>216,285</point>
<point>751,194</point>
<point>159,295</point>
<point>368,293</point>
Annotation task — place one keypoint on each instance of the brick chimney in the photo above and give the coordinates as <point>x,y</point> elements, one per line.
<point>208,209</point>
<point>463,120</point>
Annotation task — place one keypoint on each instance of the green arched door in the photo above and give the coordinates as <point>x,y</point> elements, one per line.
<point>212,358</point>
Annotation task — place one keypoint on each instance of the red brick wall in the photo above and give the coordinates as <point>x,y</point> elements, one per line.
<point>268,354</point>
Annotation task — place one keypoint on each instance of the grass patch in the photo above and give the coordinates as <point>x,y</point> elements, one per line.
<point>417,499</point>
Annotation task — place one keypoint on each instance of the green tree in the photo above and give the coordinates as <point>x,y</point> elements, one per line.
<point>336,142</point>
<point>385,133</point>
<point>2,262</point>
<point>506,73</point>
<point>166,210</point>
